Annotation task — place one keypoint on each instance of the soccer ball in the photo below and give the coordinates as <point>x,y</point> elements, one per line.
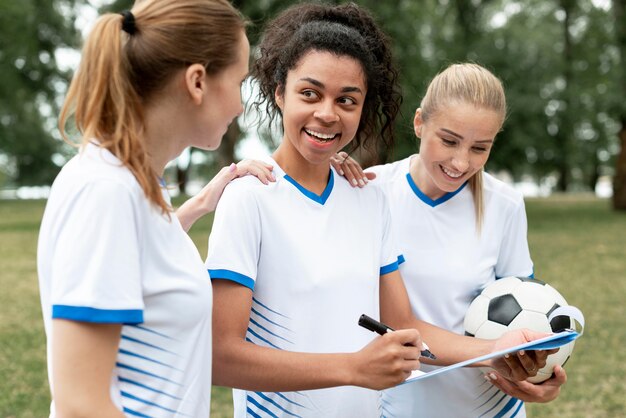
<point>519,302</point>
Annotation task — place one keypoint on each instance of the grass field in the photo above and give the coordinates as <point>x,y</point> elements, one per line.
<point>577,243</point>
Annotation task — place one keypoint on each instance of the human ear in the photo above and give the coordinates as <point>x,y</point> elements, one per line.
<point>418,122</point>
<point>278,97</point>
<point>195,82</point>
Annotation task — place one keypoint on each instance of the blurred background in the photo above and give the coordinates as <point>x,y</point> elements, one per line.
<point>561,62</point>
<point>563,145</point>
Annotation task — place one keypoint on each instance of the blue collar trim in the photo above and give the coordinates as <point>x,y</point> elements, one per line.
<point>321,199</point>
<point>428,200</point>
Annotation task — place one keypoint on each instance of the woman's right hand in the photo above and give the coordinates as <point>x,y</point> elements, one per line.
<point>388,360</point>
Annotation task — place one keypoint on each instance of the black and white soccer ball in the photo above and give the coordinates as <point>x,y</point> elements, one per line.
<point>519,302</point>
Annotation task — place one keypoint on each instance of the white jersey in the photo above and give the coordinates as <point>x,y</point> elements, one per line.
<point>314,265</point>
<point>447,264</point>
<point>107,255</point>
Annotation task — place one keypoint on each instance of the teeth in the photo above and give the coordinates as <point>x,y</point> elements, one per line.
<point>451,174</point>
<point>320,135</point>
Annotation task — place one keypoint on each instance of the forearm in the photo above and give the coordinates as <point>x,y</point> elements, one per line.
<point>190,211</point>
<point>449,347</point>
<point>244,365</point>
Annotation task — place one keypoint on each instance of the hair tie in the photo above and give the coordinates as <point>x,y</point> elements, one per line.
<point>128,23</point>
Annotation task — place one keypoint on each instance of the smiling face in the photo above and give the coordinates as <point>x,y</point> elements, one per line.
<point>455,144</point>
<point>321,105</point>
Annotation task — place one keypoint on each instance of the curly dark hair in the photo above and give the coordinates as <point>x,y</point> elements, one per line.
<point>344,30</point>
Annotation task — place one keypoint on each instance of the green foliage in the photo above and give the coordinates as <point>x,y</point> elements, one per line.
<point>566,99</point>
<point>30,33</point>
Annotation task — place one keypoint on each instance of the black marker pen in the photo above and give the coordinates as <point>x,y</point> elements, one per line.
<point>380,328</point>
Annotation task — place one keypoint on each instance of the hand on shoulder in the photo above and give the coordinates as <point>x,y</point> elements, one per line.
<point>206,200</point>
<point>350,169</point>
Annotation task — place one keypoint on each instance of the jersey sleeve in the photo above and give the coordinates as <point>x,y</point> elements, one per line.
<point>95,271</point>
<point>390,256</point>
<point>514,257</point>
<point>235,240</point>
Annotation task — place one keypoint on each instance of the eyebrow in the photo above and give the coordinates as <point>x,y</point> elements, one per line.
<point>322,86</point>
<point>448,131</point>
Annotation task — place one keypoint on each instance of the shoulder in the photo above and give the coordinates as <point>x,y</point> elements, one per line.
<point>500,192</point>
<point>96,168</point>
<point>386,173</point>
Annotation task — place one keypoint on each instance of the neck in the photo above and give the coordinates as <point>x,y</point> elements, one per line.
<point>422,179</point>
<point>160,137</point>
<point>313,177</point>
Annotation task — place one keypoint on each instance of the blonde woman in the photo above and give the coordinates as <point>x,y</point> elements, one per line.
<point>459,229</point>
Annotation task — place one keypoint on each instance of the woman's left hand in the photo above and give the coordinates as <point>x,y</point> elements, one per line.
<point>350,169</point>
<point>206,200</point>
<point>522,364</point>
<point>530,392</point>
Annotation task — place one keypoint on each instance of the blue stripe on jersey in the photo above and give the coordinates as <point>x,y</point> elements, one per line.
<point>267,319</point>
<point>509,405</point>
<point>273,402</point>
<point>496,405</point>
<point>264,339</point>
<point>255,300</point>
<point>135,369</point>
<point>233,276</point>
<point>101,316</point>
<point>138,399</point>
<point>289,400</point>
<point>269,332</point>
<point>495,392</point>
<point>401,259</point>
<point>153,332</point>
<point>141,385</point>
<point>428,200</point>
<point>389,268</point>
<point>130,353</point>
<point>138,341</point>
<point>261,407</point>
<point>135,413</point>
<point>321,199</point>
<point>251,412</point>
<point>518,409</point>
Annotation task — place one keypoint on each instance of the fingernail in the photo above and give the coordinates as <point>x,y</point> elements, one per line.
<point>365,180</point>
<point>506,356</point>
<point>491,377</point>
<point>521,352</point>
<point>232,167</point>
<point>341,172</point>
<point>361,183</point>
<point>354,183</point>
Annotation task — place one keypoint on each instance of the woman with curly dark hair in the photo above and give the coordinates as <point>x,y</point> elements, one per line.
<point>295,263</point>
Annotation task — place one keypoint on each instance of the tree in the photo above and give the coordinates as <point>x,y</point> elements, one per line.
<point>30,33</point>
<point>619,183</point>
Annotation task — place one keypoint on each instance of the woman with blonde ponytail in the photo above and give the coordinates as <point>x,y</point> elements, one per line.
<point>125,296</point>
<point>459,229</point>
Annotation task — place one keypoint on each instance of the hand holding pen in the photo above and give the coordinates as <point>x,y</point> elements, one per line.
<point>380,328</point>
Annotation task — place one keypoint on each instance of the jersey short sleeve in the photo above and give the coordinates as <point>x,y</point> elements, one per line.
<point>234,243</point>
<point>95,272</point>
<point>390,256</point>
<point>514,258</point>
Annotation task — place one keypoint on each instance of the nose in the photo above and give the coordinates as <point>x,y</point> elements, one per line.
<point>326,112</point>
<point>461,161</point>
